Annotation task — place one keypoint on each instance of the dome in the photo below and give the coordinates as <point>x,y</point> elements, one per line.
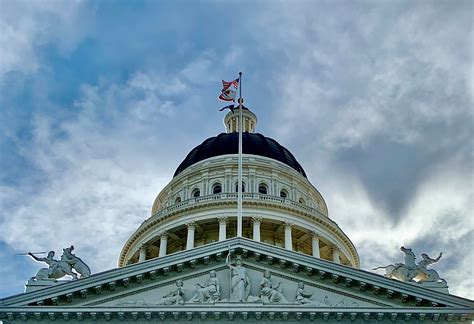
<point>252,143</point>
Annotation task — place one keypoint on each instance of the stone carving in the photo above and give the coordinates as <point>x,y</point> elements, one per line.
<point>268,293</point>
<point>410,271</point>
<point>132,303</point>
<point>210,292</point>
<point>325,302</point>
<point>175,297</point>
<point>240,281</point>
<point>60,268</point>
<point>302,297</point>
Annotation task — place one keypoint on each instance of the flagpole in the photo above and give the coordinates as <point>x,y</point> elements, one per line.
<point>239,194</point>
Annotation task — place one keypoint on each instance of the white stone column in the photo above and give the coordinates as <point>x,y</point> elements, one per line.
<point>256,228</point>
<point>288,240</point>
<point>142,255</point>
<point>163,244</point>
<point>190,239</point>
<point>315,244</point>
<point>222,228</point>
<point>336,255</point>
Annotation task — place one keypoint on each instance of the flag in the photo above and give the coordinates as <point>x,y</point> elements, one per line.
<point>229,90</point>
<point>230,107</point>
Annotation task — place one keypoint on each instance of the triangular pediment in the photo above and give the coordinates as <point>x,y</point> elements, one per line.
<point>328,288</point>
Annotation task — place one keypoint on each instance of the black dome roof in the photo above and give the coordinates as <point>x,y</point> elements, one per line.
<point>252,143</point>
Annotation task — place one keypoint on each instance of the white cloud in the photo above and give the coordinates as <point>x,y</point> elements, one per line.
<point>29,25</point>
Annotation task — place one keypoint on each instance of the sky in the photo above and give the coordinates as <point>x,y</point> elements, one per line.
<point>101,100</point>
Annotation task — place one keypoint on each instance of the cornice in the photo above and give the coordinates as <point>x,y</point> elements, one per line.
<point>244,311</point>
<point>320,271</point>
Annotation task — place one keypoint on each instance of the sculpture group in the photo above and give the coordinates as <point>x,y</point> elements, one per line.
<point>210,291</point>
<point>411,271</point>
<point>68,264</point>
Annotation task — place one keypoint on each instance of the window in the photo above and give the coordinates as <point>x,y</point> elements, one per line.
<point>283,194</point>
<point>262,189</point>
<point>217,188</point>
<point>237,187</point>
<point>177,200</point>
<point>196,193</point>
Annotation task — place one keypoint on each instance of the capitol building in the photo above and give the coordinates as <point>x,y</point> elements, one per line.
<point>192,259</point>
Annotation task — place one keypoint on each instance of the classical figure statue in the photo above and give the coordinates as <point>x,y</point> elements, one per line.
<point>53,271</point>
<point>428,274</point>
<point>240,281</point>
<point>302,297</point>
<point>175,297</point>
<point>210,292</point>
<point>268,293</point>
<point>411,271</point>
<point>60,268</point>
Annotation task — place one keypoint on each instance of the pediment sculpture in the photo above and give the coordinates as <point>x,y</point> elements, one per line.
<point>68,264</point>
<point>209,292</point>
<point>411,271</point>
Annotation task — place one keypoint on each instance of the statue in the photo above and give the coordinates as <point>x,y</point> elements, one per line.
<point>175,297</point>
<point>302,297</point>
<point>268,293</point>
<point>240,281</point>
<point>428,274</point>
<point>410,271</point>
<point>210,292</point>
<point>60,268</point>
<point>53,271</point>
<point>75,263</point>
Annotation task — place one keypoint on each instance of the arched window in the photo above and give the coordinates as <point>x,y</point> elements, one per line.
<point>237,187</point>
<point>177,200</point>
<point>283,194</point>
<point>262,189</point>
<point>217,188</point>
<point>196,193</point>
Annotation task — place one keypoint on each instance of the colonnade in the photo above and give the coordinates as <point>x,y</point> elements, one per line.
<point>191,228</point>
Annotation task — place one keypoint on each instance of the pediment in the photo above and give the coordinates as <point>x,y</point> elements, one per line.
<point>330,288</point>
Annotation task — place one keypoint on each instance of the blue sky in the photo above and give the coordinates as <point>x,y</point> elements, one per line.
<point>101,100</point>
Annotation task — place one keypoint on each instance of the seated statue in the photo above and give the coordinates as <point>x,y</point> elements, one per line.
<point>210,292</point>
<point>268,293</point>
<point>175,297</point>
<point>302,297</point>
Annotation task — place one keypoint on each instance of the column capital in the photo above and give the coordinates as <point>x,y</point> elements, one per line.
<point>334,248</point>
<point>163,234</point>
<point>257,219</point>
<point>191,225</point>
<point>288,225</point>
<point>315,234</point>
<point>222,220</point>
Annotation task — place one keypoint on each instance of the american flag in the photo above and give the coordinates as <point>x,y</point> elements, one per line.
<point>229,90</point>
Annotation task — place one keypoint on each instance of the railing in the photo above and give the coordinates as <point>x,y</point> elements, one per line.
<point>233,197</point>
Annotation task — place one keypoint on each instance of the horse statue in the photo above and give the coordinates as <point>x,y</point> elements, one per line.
<point>411,271</point>
<point>60,268</point>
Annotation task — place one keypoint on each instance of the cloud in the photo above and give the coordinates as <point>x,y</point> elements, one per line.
<point>28,26</point>
<point>372,98</point>
<point>100,170</point>
<point>377,105</point>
